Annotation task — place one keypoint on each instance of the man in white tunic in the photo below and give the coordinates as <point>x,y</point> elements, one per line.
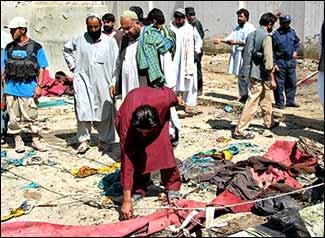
<point>93,65</point>
<point>127,62</point>
<point>188,41</point>
<point>237,39</point>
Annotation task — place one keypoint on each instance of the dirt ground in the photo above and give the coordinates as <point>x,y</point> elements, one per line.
<point>199,133</point>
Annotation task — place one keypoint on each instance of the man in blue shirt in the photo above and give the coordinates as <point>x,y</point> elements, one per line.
<point>286,44</point>
<point>24,61</point>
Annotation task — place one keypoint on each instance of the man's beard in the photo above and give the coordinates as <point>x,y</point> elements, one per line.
<point>95,35</point>
<point>241,23</point>
<point>108,29</point>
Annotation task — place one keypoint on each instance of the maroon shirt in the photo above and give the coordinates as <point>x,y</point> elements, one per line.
<point>137,154</point>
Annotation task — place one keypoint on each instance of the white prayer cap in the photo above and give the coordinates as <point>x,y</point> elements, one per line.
<point>181,10</point>
<point>131,14</point>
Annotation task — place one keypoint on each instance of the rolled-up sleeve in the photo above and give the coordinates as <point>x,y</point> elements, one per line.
<point>268,53</point>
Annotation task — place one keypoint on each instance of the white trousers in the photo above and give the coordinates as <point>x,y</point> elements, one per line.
<point>106,130</point>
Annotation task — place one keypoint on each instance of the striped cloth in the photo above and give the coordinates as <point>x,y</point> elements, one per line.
<point>151,45</point>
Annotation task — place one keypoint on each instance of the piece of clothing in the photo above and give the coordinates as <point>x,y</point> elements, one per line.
<point>243,85</point>
<point>260,94</point>
<point>144,155</point>
<point>22,115</point>
<point>257,56</point>
<point>288,154</point>
<point>130,74</point>
<point>105,128</point>
<point>151,45</point>
<point>166,60</point>
<point>197,24</point>
<point>93,65</point>
<point>320,84</point>
<point>117,35</point>
<point>286,85</point>
<point>289,222</point>
<point>285,43</point>
<point>140,226</point>
<point>238,34</point>
<point>199,72</point>
<point>26,88</point>
<point>62,84</point>
<point>272,206</point>
<point>188,41</point>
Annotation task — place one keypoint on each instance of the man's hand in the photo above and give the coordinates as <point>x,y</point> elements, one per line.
<point>38,92</point>
<point>112,91</point>
<point>273,84</point>
<point>232,42</point>
<point>127,210</point>
<point>294,55</point>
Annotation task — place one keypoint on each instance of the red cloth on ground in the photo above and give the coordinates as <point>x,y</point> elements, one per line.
<point>228,198</point>
<point>287,154</point>
<point>54,87</point>
<point>148,225</point>
<point>137,155</point>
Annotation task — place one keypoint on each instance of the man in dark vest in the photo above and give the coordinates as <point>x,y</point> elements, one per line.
<point>25,61</point>
<point>258,68</point>
<point>190,15</point>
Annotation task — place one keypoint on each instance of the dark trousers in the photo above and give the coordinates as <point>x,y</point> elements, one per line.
<point>243,85</point>
<point>199,72</point>
<point>170,178</point>
<point>286,85</point>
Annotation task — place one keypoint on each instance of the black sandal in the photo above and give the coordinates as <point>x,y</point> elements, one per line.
<point>247,136</point>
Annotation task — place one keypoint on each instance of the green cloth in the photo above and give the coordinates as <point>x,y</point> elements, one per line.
<point>168,33</point>
<point>151,45</point>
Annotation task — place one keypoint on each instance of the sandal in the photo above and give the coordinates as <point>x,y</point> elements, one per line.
<point>83,147</point>
<point>247,136</point>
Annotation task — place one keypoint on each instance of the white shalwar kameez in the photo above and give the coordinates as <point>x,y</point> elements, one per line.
<point>188,40</point>
<point>93,65</point>
<point>236,57</point>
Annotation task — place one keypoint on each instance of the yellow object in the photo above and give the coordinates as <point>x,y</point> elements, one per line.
<point>74,171</point>
<point>16,212</point>
<point>227,155</point>
<point>109,169</point>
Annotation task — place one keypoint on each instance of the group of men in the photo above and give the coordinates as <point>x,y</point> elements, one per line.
<point>154,67</point>
<point>264,60</point>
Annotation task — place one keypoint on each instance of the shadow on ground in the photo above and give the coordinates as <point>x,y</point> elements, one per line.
<point>219,95</point>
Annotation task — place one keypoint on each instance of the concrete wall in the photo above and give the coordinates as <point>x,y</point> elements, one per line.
<point>54,22</point>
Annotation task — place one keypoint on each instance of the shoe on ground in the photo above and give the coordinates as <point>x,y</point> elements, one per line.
<point>279,106</point>
<point>19,144</point>
<point>293,105</point>
<point>83,147</point>
<point>243,99</point>
<point>36,144</point>
<point>274,125</point>
<point>247,136</point>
